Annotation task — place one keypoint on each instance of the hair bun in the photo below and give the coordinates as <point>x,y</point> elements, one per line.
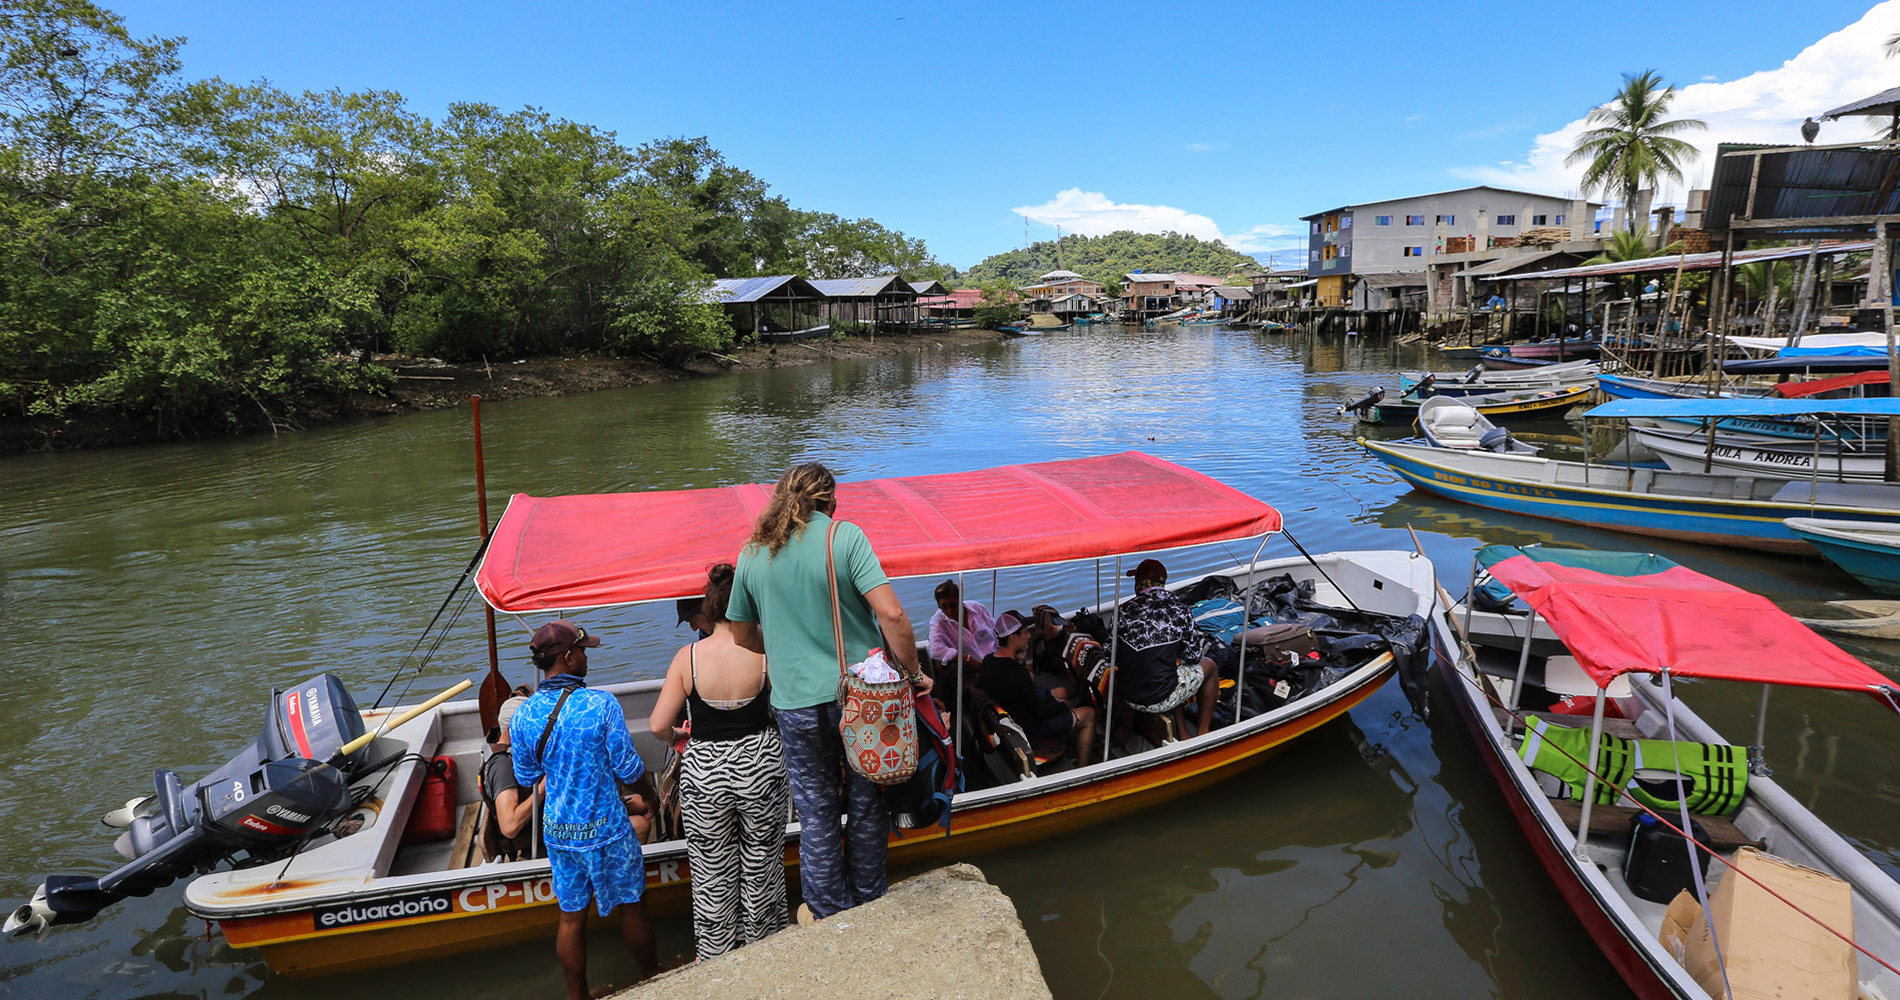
<point>720,573</point>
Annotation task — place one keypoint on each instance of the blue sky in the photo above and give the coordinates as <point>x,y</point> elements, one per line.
<point>955,122</point>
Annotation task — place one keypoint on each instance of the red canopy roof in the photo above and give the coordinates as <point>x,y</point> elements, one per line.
<point>1633,613</point>
<point>565,553</point>
<point>1794,390</point>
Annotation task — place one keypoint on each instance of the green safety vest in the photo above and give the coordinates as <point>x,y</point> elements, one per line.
<point>1717,773</point>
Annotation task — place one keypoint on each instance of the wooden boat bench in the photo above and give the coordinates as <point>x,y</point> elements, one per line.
<point>1614,821</point>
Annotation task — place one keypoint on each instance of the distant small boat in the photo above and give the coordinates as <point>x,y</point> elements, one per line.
<point>1525,404</point>
<point>1631,387</point>
<point>1479,382</point>
<point>1552,350</point>
<point>1868,552</point>
<point>1447,422</point>
<point>805,334</point>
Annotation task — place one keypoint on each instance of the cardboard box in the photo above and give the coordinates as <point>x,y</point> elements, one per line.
<point>1772,952</point>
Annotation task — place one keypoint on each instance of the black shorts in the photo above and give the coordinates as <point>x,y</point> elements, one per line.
<point>1051,726</point>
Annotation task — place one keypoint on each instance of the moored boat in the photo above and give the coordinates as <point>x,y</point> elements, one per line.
<point>1688,450</point>
<point>1447,422</point>
<point>1609,834</point>
<point>355,898</point>
<point>1711,508</point>
<point>1869,553</point>
<point>1479,381</point>
<point>1523,404</point>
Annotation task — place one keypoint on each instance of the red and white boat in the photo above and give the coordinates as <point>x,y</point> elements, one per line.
<point>1615,630</point>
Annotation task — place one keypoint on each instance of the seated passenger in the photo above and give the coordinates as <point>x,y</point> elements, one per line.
<point>506,835</point>
<point>1159,653</point>
<point>1043,713</point>
<point>977,634</point>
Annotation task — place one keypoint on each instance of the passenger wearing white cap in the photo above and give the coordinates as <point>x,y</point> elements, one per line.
<point>505,833</point>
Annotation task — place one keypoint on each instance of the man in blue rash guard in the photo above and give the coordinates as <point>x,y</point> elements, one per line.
<point>578,740</point>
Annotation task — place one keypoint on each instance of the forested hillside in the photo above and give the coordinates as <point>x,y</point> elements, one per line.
<point>203,253</point>
<point>1107,258</point>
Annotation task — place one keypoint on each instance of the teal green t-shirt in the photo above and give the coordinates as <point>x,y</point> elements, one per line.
<point>789,598</point>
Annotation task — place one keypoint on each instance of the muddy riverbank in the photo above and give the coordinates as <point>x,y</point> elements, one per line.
<point>428,384</point>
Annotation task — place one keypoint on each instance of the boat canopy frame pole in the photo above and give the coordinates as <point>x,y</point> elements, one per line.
<point>1240,668</point>
<point>956,735</point>
<point>1108,707</point>
<point>1758,754</point>
<point>1471,593</point>
<point>1590,774</point>
<point>1523,660</point>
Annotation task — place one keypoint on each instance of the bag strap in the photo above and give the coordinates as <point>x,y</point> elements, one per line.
<point>541,748</point>
<point>831,576</point>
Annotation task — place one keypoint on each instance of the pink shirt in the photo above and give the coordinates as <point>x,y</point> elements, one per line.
<point>979,634</point>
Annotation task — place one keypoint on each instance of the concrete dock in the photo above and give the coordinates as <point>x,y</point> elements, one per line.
<point>946,933</point>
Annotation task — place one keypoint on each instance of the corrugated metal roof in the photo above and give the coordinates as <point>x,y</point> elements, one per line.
<point>1882,103</point>
<point>1510,262</point>
<point>1059,276</point>
<point>735,291</point>
<point>1807,184</point>
<point>863,288</point>
<point>1440,194</point>
<point>928,288</point>
<point>1696,261</point>
<point>1233,292</point>
<point>1403,280</point>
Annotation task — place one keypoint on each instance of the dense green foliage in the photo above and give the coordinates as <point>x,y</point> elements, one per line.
<point>204,253</point>
<point>1107,258</point>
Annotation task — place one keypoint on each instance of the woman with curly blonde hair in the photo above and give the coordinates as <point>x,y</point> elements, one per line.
<point>781,606</point>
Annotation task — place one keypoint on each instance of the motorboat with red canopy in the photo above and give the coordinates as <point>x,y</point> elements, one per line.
<point>366,892</point>
<point>601,550</point>
<point>1560,631</point>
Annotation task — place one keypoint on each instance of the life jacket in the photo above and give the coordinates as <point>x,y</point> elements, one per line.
<point>1219,618</point>
<point>1717,773</point>
<point>1563,753</point>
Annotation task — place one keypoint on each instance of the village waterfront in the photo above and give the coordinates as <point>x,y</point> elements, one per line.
<point>153,597</point>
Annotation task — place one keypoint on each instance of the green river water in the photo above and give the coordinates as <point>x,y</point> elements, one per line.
<point>151,597</point>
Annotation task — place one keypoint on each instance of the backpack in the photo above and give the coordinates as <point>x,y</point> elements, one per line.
<point>925,797</point>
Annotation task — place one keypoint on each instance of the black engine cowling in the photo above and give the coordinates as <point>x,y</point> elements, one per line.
<point>264,803</point>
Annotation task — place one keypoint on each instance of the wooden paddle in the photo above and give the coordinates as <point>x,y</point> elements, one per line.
<point>495,687</point>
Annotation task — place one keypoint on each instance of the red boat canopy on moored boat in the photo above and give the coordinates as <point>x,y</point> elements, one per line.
<point>1814,387</point>
<point>567,553</point>
<point>1631,612</point>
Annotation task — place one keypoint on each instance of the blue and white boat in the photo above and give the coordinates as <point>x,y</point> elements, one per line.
<point>1632,387</point>
<point>1710,508</point>
<point>1870,552</point>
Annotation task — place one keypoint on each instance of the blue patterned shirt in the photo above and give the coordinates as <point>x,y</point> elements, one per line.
<point>587,751</point>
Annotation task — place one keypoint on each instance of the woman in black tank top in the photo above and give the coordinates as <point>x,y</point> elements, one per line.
<point>734,799</point>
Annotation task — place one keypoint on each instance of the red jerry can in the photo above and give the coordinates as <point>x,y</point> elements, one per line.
<point>434,815</point>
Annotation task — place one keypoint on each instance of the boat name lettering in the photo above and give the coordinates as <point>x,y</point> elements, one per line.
<point>477,898</point>
<point>666,871</point>
<point>351,914</point>
<point>1493,486</point>
<point>289,814</point>
<point>1446,477</point>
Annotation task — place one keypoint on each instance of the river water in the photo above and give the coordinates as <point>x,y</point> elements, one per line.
<point>150,599</point>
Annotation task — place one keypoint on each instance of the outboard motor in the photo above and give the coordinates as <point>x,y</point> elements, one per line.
<point>1360,407</point>
<point>266,802</point>
<point>1496,439</point>
<point>1476,373</point>
<point>1423,389</point>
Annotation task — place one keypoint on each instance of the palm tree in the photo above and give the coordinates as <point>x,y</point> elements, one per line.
<point>1633,145</point>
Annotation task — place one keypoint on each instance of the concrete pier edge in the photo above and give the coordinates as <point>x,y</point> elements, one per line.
<point>945,933</point>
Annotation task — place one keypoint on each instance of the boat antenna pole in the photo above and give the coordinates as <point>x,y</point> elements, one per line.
<point>494,689</point>
<point>1322,569</point>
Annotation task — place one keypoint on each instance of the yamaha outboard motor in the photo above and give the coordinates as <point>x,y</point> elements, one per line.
<point>265,803</point>
<point>1496,439</point>
<point>1423,389</point>
<point>1476,373</point>
<point>1360,407</point>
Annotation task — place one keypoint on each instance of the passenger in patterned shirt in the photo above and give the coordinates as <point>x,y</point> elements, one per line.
<point>578,740</point>
<point>1161,657</point>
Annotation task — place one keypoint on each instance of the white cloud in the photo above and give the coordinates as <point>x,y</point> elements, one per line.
<point>1091,213</point>
<point>1200,147</point>
<point>1767,106</point>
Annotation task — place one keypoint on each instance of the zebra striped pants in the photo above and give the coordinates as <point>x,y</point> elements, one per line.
<point>733,801</point>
